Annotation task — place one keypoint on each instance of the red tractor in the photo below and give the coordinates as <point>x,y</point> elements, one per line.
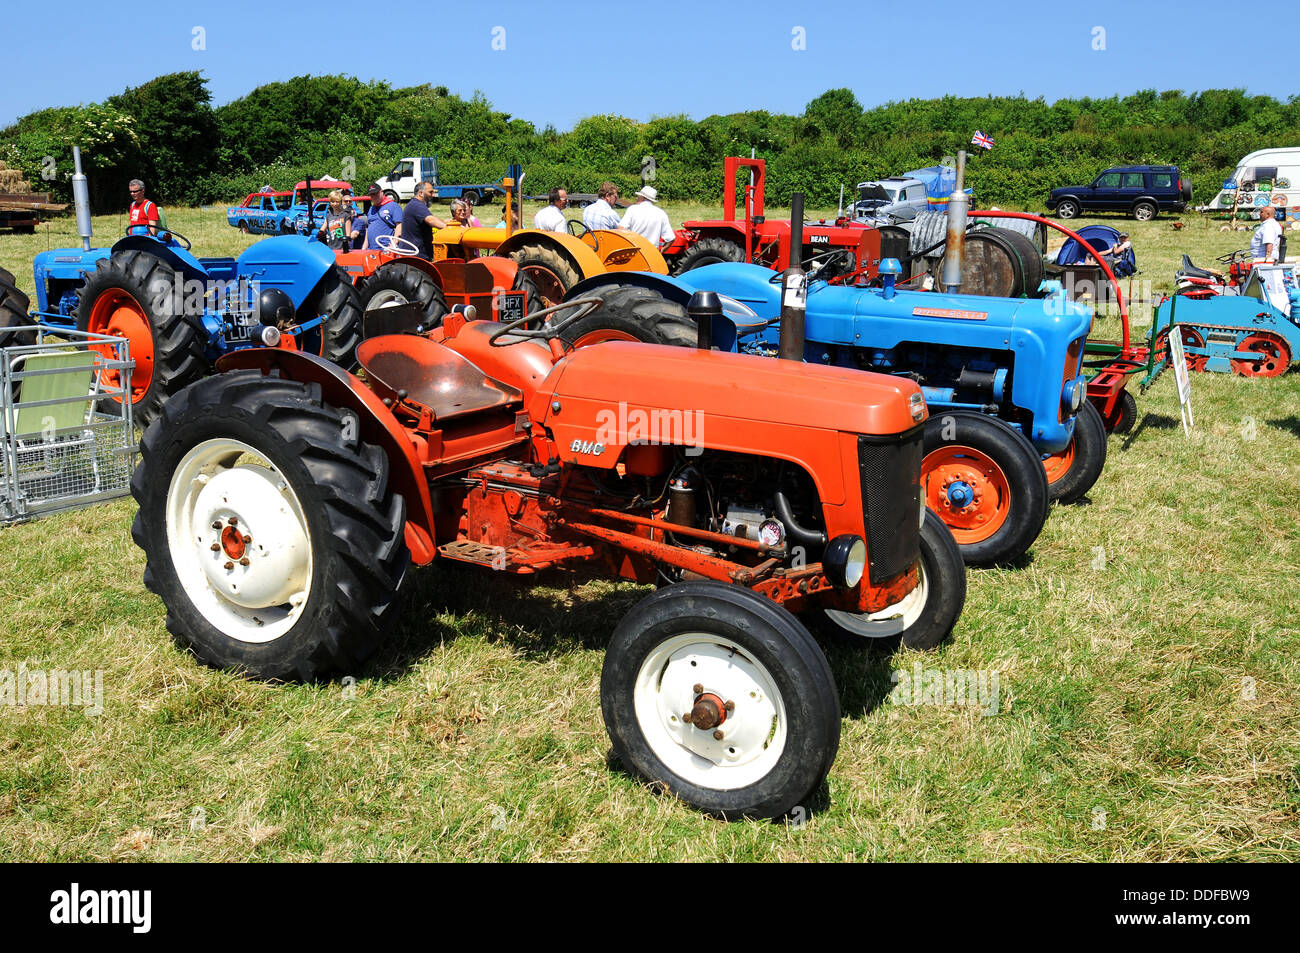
<point>843,245</point>
<point>283,500</point>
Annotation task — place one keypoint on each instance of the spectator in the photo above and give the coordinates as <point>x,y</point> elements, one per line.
<point>418,222</point>
<point>647,218</point>
<point>551,218</point>
<point>336,228</point>
<point>357,231</point>
<point>1265,242</point>
<point>1117,251</point>
<point>144,213</point>
<point>384,217</point>
<point>601,213</point>
<point>462,213</point>
<point>514,219</point>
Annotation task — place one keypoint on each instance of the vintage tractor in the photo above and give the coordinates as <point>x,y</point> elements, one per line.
<point>282,501</point>
<point>1012,429</point>
<point>180,313</point>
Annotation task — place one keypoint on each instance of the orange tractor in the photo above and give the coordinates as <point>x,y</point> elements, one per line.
<point>283,500</point>
<point>503,272</point>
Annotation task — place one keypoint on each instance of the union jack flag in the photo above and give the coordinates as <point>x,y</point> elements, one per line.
<point>981,140</point>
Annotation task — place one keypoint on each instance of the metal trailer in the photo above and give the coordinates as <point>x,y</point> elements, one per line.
<point>66,435</point>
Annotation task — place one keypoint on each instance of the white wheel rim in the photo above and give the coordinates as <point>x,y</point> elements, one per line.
<point>216,492</point>
<point>386,299</point>
<point>754,732</point>
<point>891,620</point>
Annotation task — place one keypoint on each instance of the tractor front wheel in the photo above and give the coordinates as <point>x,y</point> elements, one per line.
<point>269,529</point>
<point>16,326</point>
<point>1072,472</point>
<point>398,283</point>
<point>708,251</point>
<point>925,616</point>
<point>335,339</point>
<point>723,698</point>
<point>986,482</point>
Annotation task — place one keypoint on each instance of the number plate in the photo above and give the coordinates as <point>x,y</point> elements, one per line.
<point>510,306</point>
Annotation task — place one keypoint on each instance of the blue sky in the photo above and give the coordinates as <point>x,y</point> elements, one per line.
<point>573,59</point>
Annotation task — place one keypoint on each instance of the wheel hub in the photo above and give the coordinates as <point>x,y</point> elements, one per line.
<point>253,549</point>
<point>960,493</point>
<point>709,712</point>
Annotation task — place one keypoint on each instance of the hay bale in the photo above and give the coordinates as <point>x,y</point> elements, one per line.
<point>11,180</point>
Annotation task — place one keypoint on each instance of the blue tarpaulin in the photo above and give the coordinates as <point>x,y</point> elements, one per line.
<point>939,181</point>
<point>1100,237</point>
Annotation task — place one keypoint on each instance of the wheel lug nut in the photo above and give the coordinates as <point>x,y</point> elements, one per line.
<point>687,718</point>
<point>244,561</point>
<point>730,706</point>
<point>718,735</point>
<point>247,539</point>
<point>698,689</point>
<point>234,521</point>
<point>215,547</point>
<point>230,565</point>
<point>216,524</point>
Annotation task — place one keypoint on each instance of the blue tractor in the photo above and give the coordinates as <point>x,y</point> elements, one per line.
<point>180,312</point>
<point>1010,427</point>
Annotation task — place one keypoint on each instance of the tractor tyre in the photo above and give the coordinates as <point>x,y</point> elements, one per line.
<point>16,326</point>
<point>398,283</point>
<point>532,297</point>
<point>927,614</point>
<point>138,296</point>
<point>551,272</point>
<point>772,749</point>
<point>986,482</point>
<point>708,251</point>
<point>1072,472</point>
<point>336,340</point>
<point>630,314</point>
<point>1126,413</point>
<point>269,529</point>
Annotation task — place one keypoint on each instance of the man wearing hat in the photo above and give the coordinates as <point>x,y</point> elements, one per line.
<point>384,217</point>
<point>647,218</point>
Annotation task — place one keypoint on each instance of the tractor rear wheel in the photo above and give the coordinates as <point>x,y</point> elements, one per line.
<point>398,283</point>
<point>986,482</point>
<point>138,296</point>
<point>337,338</point>
<point>269,530</point>
<point>551,272</point>
<point>926,615</point>
<point>722,697</point>
<point>16,327</point>
<point>708,251</point>
<point>1072,472</point>
<point>631,314</point>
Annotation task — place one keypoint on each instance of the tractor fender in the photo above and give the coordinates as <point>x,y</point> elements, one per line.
<point>620,249</point>
<point>375,422</point>
<point>177,257</point>
<point>577,252</point>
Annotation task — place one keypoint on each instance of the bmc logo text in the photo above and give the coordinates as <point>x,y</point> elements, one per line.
<point>76,906</point>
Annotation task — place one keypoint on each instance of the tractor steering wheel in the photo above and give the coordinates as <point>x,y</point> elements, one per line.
<point>397,246</point>
<point>580,306</point>
<point>1241,254</point>
<point>169,232</point>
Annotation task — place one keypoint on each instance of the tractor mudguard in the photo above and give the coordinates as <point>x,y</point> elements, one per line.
<point>178,258</point>
<point>578,253</point>
<point>376,424</point>
<point>292,263</point>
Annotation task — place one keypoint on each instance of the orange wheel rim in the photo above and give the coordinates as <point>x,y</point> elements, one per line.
<point>1273,363</point>
<point>117,313</point>
<point>968,491</point>
<point>605,334</point>
<point>549,287</point>
<point>1058,464</point>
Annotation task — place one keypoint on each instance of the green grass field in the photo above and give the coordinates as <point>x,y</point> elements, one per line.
<point>1147,654</point>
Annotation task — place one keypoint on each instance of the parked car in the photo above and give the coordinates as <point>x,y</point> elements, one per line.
<point>1142,191</point>
<point>260,213</point>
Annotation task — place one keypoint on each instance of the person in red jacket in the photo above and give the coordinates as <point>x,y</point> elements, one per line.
<point>144,213</point>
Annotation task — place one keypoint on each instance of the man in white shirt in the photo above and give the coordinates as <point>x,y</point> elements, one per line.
<point>551,218</point>
<point>601,213</point>
<point>1268,237</point>
<point>647,218</point>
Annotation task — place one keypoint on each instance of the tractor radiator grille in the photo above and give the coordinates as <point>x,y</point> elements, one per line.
<point>891,498</point>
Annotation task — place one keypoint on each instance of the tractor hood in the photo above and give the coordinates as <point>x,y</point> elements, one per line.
<point>293,263</point>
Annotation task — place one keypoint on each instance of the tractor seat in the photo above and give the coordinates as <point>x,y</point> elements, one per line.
<point>1192,271</point>
<point>433,377</point>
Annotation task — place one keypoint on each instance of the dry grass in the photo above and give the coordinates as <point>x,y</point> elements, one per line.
<point>1126,730</point>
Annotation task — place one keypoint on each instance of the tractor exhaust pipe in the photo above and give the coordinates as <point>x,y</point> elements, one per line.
<point>955,249</point>
<point>704,307</point>
<point>794,292</point>
<point>81,197</point>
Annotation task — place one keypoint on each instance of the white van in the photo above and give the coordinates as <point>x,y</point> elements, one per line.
<point>1266,177</point>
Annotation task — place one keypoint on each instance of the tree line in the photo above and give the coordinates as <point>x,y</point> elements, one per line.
<point>167,132</point>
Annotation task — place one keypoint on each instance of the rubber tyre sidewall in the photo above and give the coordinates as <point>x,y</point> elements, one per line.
<point>771,635</point>
<point>1027,482</point>
<point>639,312</point>
<point>1063,207</point>
<point>1089,457</point>
<point>414,284</point>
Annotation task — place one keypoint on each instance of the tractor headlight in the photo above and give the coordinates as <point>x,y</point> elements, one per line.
<point>270,336</point>
<point>1072,394</point>
<point>845,560</point>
